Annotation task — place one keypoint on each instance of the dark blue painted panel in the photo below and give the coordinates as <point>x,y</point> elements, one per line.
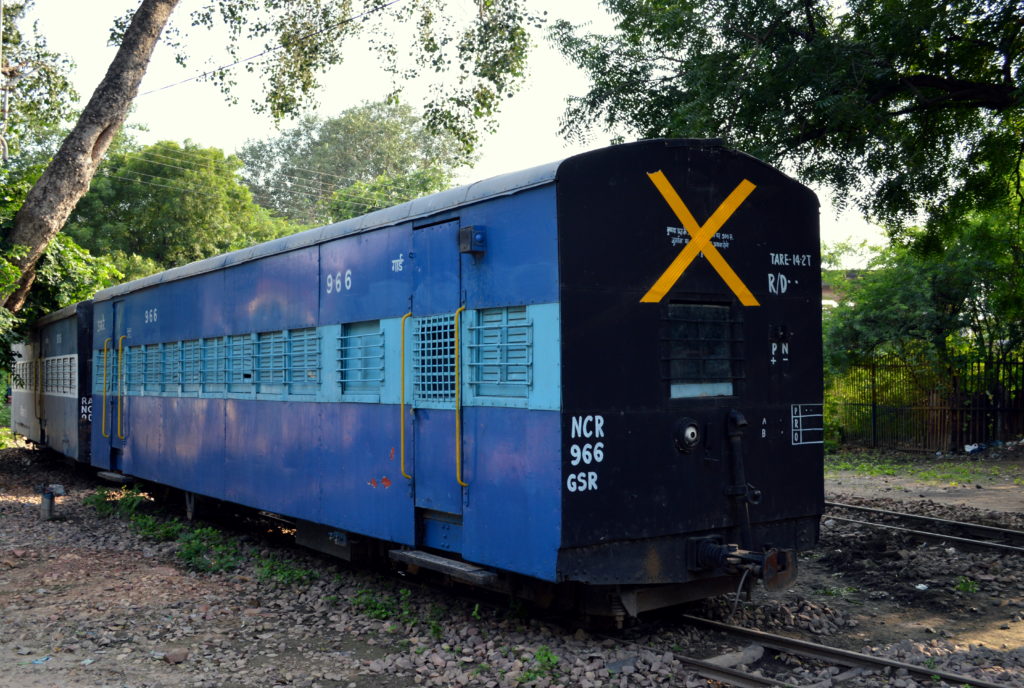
<point>178,442</point>
<point>274,293</point>
<point>60,338</point>
<point>362,485</point>
<point>435,267</point>
<point>512,517</point>
<point>434,448</point>
<point>520,265</point>
<point>185,309</point>
<point>272,457</point>
<point>377,268</point>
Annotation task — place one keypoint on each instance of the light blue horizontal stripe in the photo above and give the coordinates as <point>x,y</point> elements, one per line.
<point>543,390</point>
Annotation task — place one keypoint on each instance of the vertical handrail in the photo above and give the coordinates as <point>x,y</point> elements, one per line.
<point>103,421</point>
<point>402,400</point>
<point>458,405</point>
<point>120,385</point>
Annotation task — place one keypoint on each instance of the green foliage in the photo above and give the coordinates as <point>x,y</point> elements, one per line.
<point>369,156</point>
<point>545,665</point>
<point>156,529</point>
<point>169,204</point>
<point>912,106</point>
<point>39,95</point>
<point>361,197</point>
<point>482,53</point>
<point>966,585</point>
<point>123,502</point>
<point>946,304</point>
<point>208,550</point>
<point>383,606</point>
<point>286,572</point>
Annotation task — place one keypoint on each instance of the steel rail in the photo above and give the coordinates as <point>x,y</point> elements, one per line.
<point>835,654</point>
<point>994,531</point>
<point>926,535</point>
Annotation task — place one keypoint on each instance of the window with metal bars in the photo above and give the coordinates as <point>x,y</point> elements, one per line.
<point>191,366</point>
<point>153,368</point>
<point>303,372</point>
<point>434,358</point>
<point>702,345</point>
<point>240,361</point>
<point>501,352</point>
<point>98,377</point>
<point>172,367</point>
<point>60,375</point>
<point>361,358</point>
<point>214,374</point>
<point>135,369</point>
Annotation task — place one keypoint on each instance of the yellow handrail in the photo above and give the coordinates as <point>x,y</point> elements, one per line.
<point>120,384</point>
<point>458,405</point>
<point>103,421</point>
<point>402,385</point>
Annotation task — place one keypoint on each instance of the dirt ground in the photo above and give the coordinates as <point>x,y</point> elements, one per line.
<point>981,619</point>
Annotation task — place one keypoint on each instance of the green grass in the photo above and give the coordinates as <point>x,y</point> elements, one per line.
<point>286,572</point>
<point>123,502</point>
<point>944,472</point>
<point>545,665</point>
<point>157,529</point>
<point>208,550</point>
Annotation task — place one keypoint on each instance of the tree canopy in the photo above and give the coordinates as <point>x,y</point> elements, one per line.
<point>296,173</point>
<point>485,50</point>
<point>960,302</point>
<point>168,204</point>
<point>905,107</point>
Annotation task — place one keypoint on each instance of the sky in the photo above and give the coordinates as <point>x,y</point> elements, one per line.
<point>527,132</point>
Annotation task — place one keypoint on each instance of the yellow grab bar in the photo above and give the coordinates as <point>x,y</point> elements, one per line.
<point>103,422</point>
<point>120,384</point>
<point>402,385</point>
<point>458,405</point>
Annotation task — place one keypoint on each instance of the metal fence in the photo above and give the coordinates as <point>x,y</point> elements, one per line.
<point>891,404</point>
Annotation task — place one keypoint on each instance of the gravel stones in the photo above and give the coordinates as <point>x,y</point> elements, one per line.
<point>109,609</point>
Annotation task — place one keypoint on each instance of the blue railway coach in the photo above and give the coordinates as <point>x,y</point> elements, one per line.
<point>50,382</point>
<point>603,373</point>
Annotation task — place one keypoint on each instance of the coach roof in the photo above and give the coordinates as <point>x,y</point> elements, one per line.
<point>502,185</point>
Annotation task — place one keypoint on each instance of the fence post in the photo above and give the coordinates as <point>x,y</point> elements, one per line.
<point>874,405</point>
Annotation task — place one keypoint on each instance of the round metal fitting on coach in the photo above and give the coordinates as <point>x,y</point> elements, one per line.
<point>686,435</point>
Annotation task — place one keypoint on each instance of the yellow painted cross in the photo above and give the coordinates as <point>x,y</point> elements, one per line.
<point>700,241</point>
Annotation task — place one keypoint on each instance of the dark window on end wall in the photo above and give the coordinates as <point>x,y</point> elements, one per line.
<point>702,350</point>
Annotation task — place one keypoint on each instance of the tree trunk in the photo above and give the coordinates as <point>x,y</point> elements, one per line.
<point>67,178</point>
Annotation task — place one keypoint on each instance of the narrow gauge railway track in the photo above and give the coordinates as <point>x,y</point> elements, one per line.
<point>981,536</point>
<point>856,663</point>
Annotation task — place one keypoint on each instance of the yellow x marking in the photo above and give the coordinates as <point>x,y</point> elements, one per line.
<point>700,241</point>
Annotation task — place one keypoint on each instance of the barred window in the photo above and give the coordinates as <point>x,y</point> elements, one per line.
<point>304,361</point>
<point>361,357</point>
<point>24,376</point>
<point>172,367</point>
<point>501,352</point>
<point>240,359</point>
<point>153,367</point>
<point>135,369</point>
<point>60,375</point>
<point>215,364</point>
<point>434,358</point>
<point>191,365</point>
<point>271,361</point>
<point>702,344</point>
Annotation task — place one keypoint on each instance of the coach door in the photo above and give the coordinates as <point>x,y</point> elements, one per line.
<point>437,443</point>
<point>113,407</point>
